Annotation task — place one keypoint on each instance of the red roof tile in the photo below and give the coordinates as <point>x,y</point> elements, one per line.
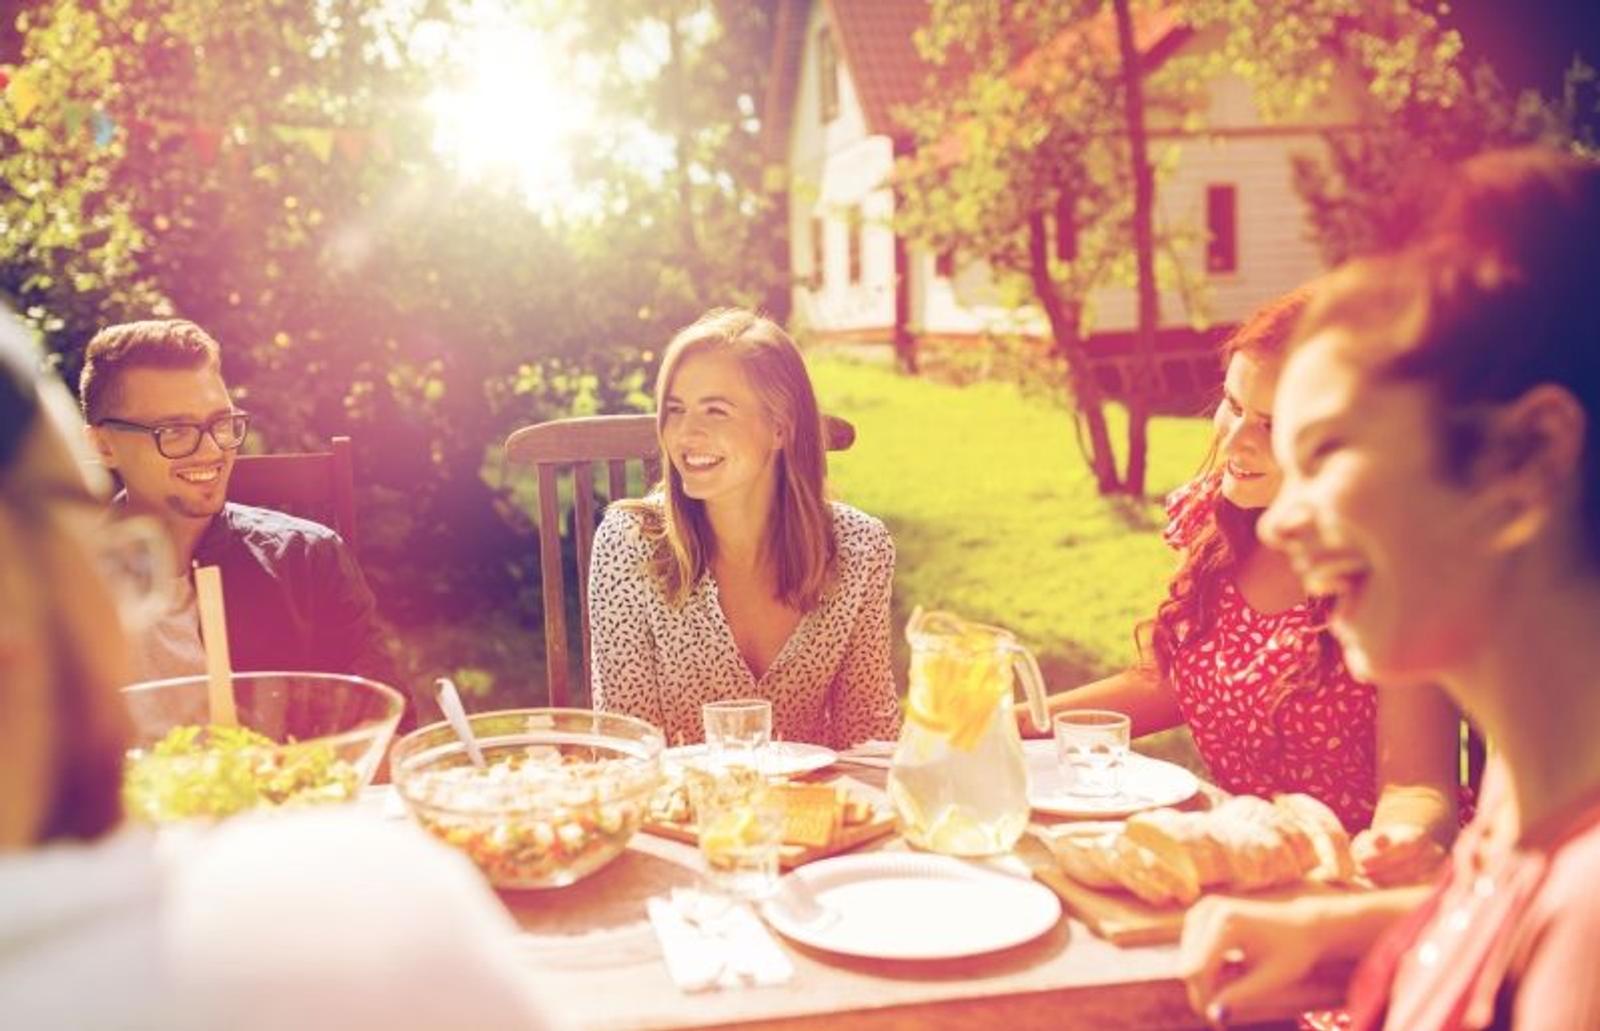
<point>875,40</point>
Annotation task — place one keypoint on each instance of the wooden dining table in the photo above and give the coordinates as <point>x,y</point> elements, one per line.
<point>592,953</point>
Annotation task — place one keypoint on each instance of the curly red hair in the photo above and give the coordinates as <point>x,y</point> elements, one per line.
<point>1224,533</point>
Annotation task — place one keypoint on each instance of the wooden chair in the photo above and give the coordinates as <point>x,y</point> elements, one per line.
<point>575,445</point>
<point>316,485</point>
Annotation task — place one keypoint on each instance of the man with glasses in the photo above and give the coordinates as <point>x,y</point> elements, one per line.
<point>160,417</point>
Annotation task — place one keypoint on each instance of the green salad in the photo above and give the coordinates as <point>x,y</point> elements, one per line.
<point>210,771</point>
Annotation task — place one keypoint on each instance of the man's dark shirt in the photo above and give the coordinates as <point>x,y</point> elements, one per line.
<point>295,598</point>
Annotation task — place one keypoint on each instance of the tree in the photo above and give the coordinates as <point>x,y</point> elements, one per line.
<point>1144,245</point>
<point>1032,133</point>
<point>1023,158</point>
<point>270,171</point>
<point>1424,106</point>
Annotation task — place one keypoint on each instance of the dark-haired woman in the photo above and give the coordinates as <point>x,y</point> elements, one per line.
<point>1241,654</point>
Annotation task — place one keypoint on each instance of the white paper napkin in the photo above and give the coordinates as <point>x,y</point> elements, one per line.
<point>709,942</point>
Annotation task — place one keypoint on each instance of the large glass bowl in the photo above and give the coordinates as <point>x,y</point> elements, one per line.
<point>303,739</point>
<point>561,792</point>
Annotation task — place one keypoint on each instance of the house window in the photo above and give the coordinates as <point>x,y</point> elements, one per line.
<point>1222,229</point>
<point>827,76</point>
<point>819,252</point>
<point>1066,229</point>
<point>858,231</point>
<point>944,264</point>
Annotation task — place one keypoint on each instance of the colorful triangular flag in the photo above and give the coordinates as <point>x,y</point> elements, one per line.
<point>103,128</point>
<point>22,94</point>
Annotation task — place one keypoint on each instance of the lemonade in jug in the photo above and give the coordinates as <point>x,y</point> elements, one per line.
<point>959,782</point>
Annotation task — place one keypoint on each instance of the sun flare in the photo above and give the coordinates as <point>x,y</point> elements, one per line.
<point>512,113</point>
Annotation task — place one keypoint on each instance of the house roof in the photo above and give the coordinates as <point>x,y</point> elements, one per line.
<point>875,42</point>
<point>873,39</point>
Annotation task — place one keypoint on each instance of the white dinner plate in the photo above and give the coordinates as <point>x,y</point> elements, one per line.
<point>1146,784</point>
<point>911,905</point>
<point>781,758</point>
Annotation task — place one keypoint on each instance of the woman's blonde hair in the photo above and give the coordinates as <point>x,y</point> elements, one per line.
<point>800,534</point>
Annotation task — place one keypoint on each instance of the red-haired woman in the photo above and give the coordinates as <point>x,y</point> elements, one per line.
<point>1241,654</point>
<point>737,578</point>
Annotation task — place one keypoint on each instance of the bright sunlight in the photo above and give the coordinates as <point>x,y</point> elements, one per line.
<point>513,111</point>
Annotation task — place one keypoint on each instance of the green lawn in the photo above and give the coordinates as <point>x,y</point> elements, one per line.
<point>994,513</point>
<point>994,516</point>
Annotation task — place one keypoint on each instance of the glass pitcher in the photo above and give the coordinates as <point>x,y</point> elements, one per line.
<point>958,780</point>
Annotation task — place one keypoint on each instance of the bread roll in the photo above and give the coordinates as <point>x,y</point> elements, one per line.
<point>1151,877</point>
<point>1327,834</point>
<point>1086,851</point>
<point>1258,855</point>
<point>1183,840</point>
<point>1263,813</point>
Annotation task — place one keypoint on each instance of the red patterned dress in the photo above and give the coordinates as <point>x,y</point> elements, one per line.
<point>1256,736</point>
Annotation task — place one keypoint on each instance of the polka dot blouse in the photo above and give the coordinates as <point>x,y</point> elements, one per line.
<point>830,684</point>
<point>1322,740</point>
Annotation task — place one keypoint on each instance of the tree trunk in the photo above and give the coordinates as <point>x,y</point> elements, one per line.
<point>682,148</point>
<point>1144,188</point>
<point>1064,327</point>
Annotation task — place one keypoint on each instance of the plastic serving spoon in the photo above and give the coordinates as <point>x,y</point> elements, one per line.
<point>450,703</point>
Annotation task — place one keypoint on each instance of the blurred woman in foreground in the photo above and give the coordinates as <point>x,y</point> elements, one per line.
<point>312,920</point>
<point>1439,429</point>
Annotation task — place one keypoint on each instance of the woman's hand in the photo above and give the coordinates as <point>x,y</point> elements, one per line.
<point>1237,954</point>
<point>1396,854</point>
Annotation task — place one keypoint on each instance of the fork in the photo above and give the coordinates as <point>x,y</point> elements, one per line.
<point>801,904</point>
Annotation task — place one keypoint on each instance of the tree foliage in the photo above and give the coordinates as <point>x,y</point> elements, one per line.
<point>1022,159</point>
<point>1424,105</point>
<point>1022,128</point>
<point>358,283</point>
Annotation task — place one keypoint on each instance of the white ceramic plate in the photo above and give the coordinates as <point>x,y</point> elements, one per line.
<point>781,759</point>
<point>909,905</point>
<point>1146,784</point>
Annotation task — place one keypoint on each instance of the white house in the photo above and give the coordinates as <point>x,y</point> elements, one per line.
<point>841,66</point>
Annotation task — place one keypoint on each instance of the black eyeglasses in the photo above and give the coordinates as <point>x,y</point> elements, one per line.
<point>182,439</point>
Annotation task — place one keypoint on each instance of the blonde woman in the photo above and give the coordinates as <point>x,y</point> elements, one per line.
<point>736,577</point>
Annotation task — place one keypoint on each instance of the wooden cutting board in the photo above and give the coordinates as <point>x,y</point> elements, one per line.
<point>790,856</point>
<point>1123,919</point>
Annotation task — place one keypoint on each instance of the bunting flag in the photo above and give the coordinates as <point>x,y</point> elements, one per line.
<point>72,116</point>
<point>104,129</point>
<point>207,142</point>
<point>21,94</point>
<point>351,145</point>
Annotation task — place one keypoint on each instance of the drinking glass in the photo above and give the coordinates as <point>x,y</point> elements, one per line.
<point>737,731</point>
<point>741,828</point>
<point>1091,746</point>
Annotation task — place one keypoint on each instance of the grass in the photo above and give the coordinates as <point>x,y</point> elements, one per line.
<point>995,514</point>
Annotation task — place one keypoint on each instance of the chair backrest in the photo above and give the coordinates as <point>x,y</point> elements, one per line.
<point>316,485</point>
<point>574,446</point>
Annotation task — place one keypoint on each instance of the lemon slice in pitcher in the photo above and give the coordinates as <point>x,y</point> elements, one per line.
<point>955,695</point>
